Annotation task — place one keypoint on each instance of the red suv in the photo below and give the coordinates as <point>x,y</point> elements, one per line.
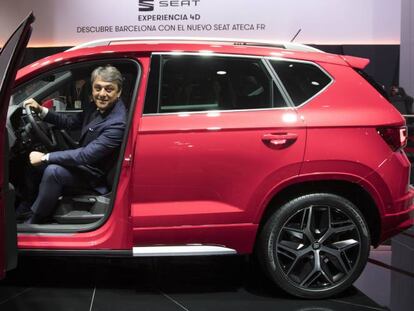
<point>230,148</point>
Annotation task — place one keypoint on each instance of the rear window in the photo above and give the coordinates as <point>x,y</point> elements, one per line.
<point>301,80</point>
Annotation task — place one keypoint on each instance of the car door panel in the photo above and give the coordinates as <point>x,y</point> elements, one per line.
<point>213,167</point>
<point>10,58</point>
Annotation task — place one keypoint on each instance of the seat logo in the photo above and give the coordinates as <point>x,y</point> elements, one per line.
<point>146,5</point>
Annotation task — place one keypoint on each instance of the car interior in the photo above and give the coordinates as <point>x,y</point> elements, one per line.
<point>197,84</point>
<point>66,91</point>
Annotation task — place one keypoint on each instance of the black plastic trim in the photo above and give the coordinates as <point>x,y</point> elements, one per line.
<point>76,253</point>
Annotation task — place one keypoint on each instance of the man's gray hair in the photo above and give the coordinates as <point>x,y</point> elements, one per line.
<point>107,73</point>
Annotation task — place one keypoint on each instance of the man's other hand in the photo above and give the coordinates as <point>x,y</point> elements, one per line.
<point>36,158</point>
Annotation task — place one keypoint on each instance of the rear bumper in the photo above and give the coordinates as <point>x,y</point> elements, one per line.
<point>395,197</point>
<point>394,223</point>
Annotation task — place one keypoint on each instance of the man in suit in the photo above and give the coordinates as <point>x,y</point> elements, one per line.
<point>102,128</point>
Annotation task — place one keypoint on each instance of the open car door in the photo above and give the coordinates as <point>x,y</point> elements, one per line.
<point>10,58</point>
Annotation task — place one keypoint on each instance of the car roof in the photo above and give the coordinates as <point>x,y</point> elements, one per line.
<point>193,40</point>
<point>208,46</point>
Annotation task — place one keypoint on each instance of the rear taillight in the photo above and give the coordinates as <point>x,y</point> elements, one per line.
<point>395,137</point>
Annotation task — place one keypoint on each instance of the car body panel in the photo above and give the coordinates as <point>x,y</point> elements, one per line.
<point>341,104</point>
<point>329,141</point>
<point>196,169</point>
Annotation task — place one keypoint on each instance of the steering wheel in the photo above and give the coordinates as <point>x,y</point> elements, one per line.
<point>42,132</point>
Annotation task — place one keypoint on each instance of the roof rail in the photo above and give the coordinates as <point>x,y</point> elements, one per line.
<point>234,41</point>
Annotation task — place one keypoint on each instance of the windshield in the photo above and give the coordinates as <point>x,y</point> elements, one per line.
<point>26,92</point>
<point>43,86</point>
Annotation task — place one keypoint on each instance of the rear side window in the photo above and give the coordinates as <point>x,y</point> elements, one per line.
<point>187,83</point>
<point>301,80</point>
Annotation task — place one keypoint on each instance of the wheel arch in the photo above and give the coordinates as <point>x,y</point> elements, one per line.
<point>349,190</point>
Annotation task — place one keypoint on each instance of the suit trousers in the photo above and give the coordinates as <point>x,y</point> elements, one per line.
<point>55,178</point>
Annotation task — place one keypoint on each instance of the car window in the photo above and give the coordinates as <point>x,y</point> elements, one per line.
<point>63,90</point>
<point>202,83</point>
<point>69,88</point>
<point>301,80</point>
<point>35,87</point>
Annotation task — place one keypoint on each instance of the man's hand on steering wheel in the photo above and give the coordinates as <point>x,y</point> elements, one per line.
<point>44,134</point>
<point>33,104</point>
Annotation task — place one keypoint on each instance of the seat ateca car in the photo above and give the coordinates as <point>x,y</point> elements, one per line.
<point>283,152</point>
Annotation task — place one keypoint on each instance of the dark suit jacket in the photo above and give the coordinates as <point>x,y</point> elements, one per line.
<point>100,140</point>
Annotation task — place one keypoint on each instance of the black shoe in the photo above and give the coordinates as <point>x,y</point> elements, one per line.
<point>34,219</point>
<point>23,214</point>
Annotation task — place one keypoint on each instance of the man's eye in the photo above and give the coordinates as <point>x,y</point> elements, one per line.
<point>109,90</point>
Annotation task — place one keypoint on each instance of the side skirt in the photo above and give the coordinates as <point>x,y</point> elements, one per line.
<point>140,251</point>
<point>181,250</point>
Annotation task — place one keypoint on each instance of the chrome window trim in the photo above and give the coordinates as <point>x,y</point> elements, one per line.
<point>206,53</point>
<point>271,71</point>
<point>215,111</point>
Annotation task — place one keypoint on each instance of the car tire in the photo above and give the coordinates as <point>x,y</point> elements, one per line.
<point>315,246</point>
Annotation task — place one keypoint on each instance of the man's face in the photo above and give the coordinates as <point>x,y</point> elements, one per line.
<point>105,94</point>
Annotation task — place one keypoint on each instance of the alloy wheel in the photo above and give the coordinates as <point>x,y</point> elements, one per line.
<point>318,247</point>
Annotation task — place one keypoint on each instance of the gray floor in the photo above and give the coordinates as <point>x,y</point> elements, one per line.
<point>388,278</point>
<point>204,283</point>
<point>198,283</point>
<point>375,281</point>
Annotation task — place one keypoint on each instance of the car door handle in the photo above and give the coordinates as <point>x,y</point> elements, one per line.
<point>279,140</point>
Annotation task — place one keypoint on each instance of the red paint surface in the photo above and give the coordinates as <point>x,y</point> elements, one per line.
<point>208,178</point>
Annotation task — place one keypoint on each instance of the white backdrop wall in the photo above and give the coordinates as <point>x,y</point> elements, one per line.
<point>67,23</point>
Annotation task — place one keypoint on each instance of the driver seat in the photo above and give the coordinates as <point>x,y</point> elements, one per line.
<point>84,206</point>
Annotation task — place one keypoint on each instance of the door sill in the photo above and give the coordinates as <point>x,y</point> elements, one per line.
<point>181,250</point>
